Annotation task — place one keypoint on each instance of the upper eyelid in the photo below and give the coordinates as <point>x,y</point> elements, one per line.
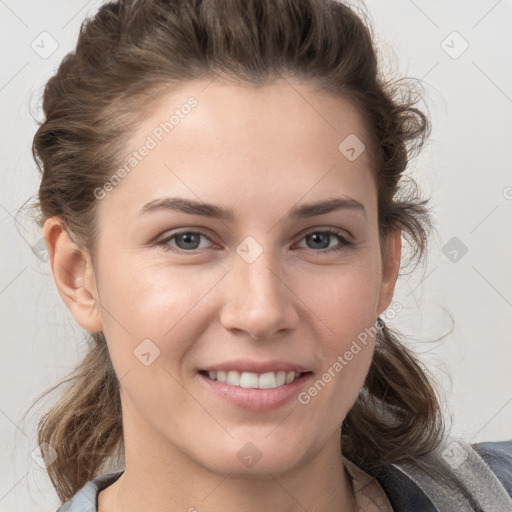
<point>337,231</point>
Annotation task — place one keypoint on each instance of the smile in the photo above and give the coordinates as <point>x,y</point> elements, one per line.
<point>255,391</point>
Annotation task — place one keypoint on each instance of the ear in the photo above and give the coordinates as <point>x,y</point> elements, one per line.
<point>390,268</point>
<point>73,274</point>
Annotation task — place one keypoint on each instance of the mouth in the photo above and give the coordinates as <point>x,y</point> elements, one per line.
<point>255,391</point>
<point>251,380</point>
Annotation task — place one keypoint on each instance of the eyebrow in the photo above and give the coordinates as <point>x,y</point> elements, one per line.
<point>193,207</point>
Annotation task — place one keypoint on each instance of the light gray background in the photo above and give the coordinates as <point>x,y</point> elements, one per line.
<point>466,168</point>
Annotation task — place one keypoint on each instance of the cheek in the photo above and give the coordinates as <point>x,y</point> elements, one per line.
<point>155,310</point>
<point>151,300</point>
<point>166,304</point>
<point>346,357</point>
<point>345,302</point>
<point>148,332</point>
<point>344,298</point>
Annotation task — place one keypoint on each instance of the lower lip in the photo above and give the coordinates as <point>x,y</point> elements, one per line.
<point>257,399</point>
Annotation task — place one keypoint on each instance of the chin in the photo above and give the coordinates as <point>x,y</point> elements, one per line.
<point>256,458</point>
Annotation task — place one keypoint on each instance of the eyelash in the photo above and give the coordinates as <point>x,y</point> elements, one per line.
<point>164,243</point>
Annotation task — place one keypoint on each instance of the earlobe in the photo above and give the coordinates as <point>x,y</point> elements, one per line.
<point>73,274</point>
<point>390,268</point>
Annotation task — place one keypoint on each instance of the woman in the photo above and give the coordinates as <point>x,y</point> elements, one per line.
<point>223,205</point>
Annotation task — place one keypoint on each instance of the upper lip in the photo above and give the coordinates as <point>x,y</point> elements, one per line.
<point>247,365</point>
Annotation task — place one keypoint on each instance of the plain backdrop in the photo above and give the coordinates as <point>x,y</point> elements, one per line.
<point>461,51</point>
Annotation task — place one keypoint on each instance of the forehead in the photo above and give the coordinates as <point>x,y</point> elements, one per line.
<point>222,142</point>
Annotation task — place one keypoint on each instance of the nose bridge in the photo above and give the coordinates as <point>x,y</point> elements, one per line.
<point>257,300</point>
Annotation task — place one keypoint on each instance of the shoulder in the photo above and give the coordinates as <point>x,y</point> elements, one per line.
<point>86,499</point>
<point>473,477</point>
<point>498,456</point>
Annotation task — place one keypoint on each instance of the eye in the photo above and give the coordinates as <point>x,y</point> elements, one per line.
<point>189,241</point>
<point>322,238</point>
<point>186,241</point>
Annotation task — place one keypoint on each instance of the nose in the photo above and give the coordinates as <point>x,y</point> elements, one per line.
<point>259,300</point>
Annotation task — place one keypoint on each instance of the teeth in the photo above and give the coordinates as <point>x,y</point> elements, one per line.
<point>267,380</point>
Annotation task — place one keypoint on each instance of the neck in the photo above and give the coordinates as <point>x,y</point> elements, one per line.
<point>159,477</point>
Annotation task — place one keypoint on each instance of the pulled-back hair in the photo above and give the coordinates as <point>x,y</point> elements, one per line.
<point>128,55</point>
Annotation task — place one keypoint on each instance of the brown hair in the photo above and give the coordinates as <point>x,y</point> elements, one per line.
<point>126,56</point>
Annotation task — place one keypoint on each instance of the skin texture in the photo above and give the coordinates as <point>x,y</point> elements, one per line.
<point>259,152</point>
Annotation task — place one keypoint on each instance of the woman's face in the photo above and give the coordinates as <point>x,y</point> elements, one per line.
<point>179,291</point>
